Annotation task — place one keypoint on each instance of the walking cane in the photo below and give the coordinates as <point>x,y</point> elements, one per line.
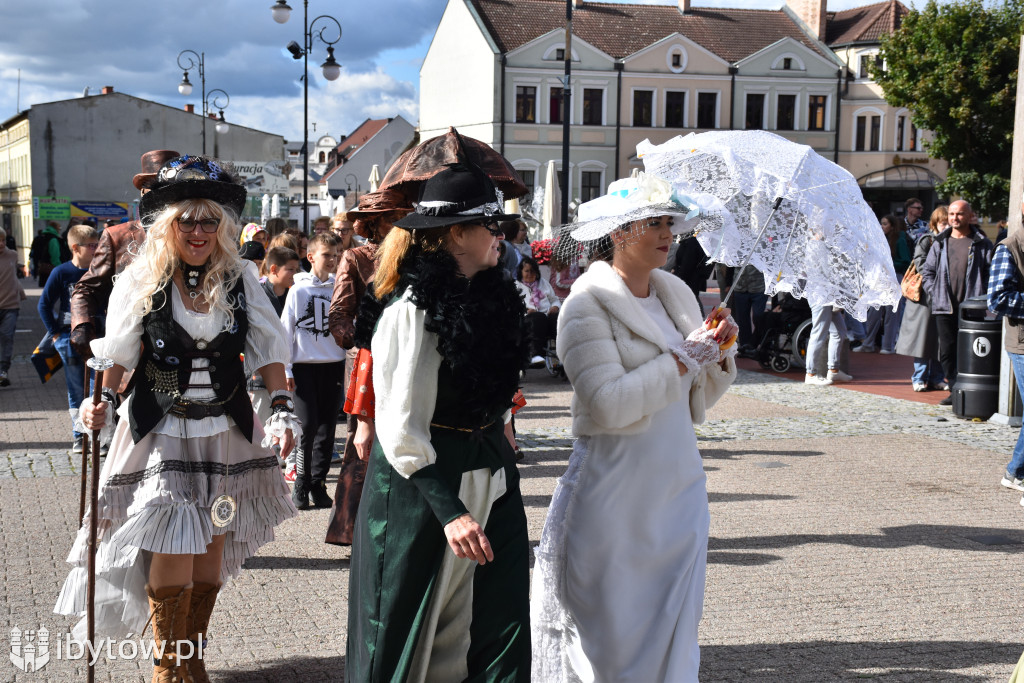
<point>85,463</point>
<point>99,365</point>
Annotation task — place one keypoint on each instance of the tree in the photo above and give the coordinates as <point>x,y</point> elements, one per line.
<point>955,67</point>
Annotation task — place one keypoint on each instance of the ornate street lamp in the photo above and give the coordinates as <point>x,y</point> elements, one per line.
<point>281,11</point>
<point>189,59</point>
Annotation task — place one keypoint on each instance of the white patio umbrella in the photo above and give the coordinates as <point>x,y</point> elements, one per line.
<point>374,177</point>
<point>275,205</point>
<point>264,209</point>
<point>551,214</point>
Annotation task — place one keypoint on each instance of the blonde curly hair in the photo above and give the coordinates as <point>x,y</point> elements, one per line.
<point>158,257</point>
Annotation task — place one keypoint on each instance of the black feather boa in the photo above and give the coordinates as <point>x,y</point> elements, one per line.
<point>479,324</point>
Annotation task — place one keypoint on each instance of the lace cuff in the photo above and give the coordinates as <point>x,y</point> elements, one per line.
<point>278,424</point>
<point>697,350</point>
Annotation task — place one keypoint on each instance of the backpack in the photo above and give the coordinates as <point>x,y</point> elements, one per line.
<point>39,250</point>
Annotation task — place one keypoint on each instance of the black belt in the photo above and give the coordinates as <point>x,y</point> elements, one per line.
<point>191,410</point>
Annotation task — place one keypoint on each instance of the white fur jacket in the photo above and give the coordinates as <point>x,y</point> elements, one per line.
<point>618,360</point>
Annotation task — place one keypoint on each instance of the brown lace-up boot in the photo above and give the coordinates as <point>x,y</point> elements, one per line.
<point>204,595</point>
<point>169,608</point>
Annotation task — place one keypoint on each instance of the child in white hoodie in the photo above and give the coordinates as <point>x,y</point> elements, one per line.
<point>317,370</point>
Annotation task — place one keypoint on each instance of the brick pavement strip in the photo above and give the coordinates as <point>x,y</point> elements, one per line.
<point>852,537</point>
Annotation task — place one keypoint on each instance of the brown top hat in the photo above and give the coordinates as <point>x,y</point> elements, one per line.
<point>151,163</point>
<point>372,204</point>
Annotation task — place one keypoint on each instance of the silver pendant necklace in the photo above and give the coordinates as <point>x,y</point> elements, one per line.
<point>192,276</point>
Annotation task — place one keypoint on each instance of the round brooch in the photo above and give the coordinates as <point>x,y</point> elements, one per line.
<point>223,510</point>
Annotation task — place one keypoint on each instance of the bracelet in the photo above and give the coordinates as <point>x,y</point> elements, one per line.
<point>281,402</point>
<point>110,396</point>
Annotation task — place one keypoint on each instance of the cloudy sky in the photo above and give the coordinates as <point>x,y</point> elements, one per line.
<point>63,46</point>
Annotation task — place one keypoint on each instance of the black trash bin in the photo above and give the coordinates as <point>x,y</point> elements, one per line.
<point>976,392</point>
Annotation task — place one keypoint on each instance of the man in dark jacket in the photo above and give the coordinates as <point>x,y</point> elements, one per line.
<point>956,269</point>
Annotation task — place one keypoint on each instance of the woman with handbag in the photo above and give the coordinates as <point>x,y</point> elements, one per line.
<point>619,577</point>
<point>918,336</point>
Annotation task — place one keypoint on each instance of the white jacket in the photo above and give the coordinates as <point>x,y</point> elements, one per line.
<point>618,360</point>
<point>305,319</point>
<point>548,300</point>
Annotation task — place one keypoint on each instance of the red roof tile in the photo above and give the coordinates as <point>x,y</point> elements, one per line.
<point>865,24</point>
<point>621,30</point>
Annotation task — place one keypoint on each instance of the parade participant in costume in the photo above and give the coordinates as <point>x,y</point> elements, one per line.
<point>118,246</point>
<point>619,579</point>
<point>190,487</point>
<point>440,560</point>
<point>373,221</point>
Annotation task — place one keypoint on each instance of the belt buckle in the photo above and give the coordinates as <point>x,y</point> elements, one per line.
<point>194,411</point>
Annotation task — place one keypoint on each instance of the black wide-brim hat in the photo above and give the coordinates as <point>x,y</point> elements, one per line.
<point>192,177</point>
<point>461,193</point>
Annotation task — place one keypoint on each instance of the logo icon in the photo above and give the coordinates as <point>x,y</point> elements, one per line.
<point>982,347</point>
<point>30,650</point>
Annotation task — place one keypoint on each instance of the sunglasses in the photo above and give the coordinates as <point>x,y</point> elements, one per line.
<point>492,227</point>
<point>209,225</point>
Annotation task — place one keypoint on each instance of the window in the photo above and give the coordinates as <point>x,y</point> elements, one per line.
<point>529,179</point>
<point>913,138</point>
<point>590,185</point>
<point>593,105</point>
<point>675,106</point>
<point>869,133</point>
<point>643,106</point>
<point>526,104</point>
<point>787,63</point>
<point>755,111</point>
<point>865,65</point>
<point>555,106</point>
<point>786,116</point>
<point>816,112</point>
<point>560,54</point>
<point>677,60</point>
<point>901,124</point>
<point>707,108</point>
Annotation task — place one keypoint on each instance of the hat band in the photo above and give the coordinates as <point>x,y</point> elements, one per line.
<point>437,208</point>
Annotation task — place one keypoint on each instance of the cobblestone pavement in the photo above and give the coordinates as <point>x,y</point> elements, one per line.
<point>853,537</point>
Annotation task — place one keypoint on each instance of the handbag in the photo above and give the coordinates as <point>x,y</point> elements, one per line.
<point>911,284</point>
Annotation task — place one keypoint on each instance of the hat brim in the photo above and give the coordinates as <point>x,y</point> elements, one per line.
<point>418,221</point>
<point>229,195</point>
<point>142,180</point>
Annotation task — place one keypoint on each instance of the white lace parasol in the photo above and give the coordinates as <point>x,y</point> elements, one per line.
<point>823,243</point>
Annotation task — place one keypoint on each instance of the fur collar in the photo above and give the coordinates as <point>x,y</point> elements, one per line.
<point>604,284</point>
<point>479,327</point>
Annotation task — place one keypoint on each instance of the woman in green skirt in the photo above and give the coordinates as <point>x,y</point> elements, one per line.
<point>440,562</point>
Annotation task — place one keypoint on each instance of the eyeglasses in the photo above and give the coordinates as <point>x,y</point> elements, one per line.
<point>492,227</point>
<point>209,225</point>
<point>91,245</point>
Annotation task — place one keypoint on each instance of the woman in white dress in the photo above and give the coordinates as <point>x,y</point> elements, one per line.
<point>190,487</point>
<point>618,586</point>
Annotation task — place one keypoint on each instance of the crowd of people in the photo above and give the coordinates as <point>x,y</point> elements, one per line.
<point>238,348</point>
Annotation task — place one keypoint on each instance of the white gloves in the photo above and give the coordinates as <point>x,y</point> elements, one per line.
<point>698,350</point>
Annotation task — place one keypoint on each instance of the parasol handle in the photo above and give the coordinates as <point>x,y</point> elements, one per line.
<point>746,262</point>
<point>85,464</point>
<point>99,365</point>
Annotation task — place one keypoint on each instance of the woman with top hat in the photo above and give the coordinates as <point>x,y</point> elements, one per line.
<point>440,560</point>
<point>619,579</point>
<point>190,487</point>
<point>373,220</point>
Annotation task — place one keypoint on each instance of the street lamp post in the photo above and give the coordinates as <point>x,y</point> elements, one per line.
<point>350,180</point>
<point>189,59</point>
<point>281,11</point>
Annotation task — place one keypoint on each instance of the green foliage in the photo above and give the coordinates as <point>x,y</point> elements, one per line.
<point>955,67</point>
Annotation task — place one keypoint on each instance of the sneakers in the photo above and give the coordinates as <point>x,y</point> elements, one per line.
<point>318,491</point>
<point>941,386</point>
<point>335,457</point>
<point>289,474</point>
<point>864,348</point>
<point>948,401</point>
<point>817,380</point>
<point>537,362</point>
<point>4,382</point>
<point>78,446</point>
<point>300,495</point>
<point>839,376</point>
<point>886,352</point>
<point>920,386</point>
<point>1012,482</point>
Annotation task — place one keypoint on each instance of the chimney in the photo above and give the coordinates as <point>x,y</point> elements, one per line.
<point>576,4</point>
<point>812,13</point>
<point>107,90</point>
<point>212,115</point>
<point>190,108</point>
<point>684,6</point>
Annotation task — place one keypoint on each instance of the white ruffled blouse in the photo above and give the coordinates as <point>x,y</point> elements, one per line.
<point>266,342</point>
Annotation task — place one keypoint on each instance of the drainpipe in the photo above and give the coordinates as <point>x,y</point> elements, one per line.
<point>733,70</point>
<point>839,99</point>
<point>619,66</point>
<point>504,63</point>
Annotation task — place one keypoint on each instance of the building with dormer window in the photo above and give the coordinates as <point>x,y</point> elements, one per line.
<point>657,71</point>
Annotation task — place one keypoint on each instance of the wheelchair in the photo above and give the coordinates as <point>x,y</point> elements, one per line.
<point>784,346</point>
<point>551,361</point>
